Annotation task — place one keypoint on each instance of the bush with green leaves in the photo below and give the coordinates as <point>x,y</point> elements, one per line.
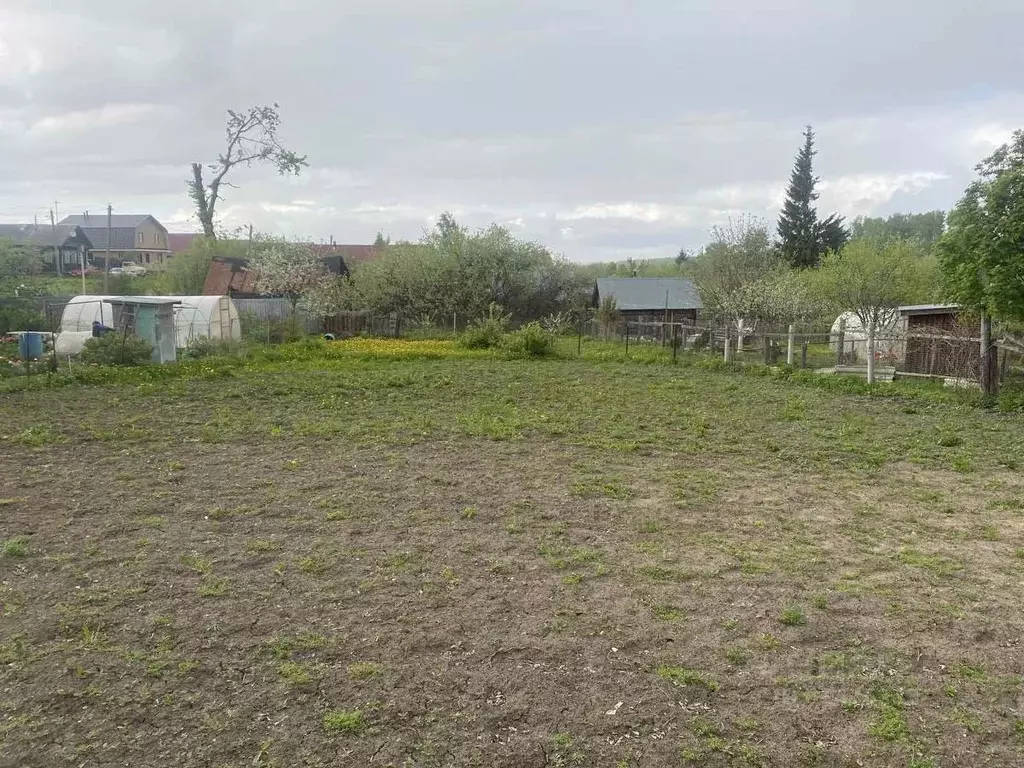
<point>117,349</point>
<point>487,332</point>
<point>529,341</point>
<point>204,346</point>
<point>21,316</point>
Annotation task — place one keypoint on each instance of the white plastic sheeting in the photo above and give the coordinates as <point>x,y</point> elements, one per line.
<point>888,337</point>
<point>213,317</point>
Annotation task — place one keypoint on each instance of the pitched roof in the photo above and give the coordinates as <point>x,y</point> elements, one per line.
<point>648,293</point>
<point>30,234</point>
<point>178,242</point>
<point>229,276</point>
<point>121,238</point>
<point>350,254</point>
<point>91,220</point>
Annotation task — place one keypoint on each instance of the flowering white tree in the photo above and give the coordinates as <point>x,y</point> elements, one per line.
<point>329,297</point>
<point>292,270</point>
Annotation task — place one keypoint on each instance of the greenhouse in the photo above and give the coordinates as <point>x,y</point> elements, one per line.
<point>195,317</point>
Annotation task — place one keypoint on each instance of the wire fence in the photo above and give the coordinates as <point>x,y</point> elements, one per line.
<point>950,351</point>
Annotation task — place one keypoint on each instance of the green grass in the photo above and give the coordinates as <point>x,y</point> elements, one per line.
<point>685,676</point>
<point>793,616</point>
<point>343,721</point>
<point>890,721</point>
<point>295,673</point>
<point>363,670</point>
<point>763,567</point>
<point>312,564</point>
<point>16,547</point>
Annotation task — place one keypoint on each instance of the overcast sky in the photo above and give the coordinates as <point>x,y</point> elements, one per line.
<point>601,128</point>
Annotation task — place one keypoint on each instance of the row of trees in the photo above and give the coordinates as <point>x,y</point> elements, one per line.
<point>812,265</point>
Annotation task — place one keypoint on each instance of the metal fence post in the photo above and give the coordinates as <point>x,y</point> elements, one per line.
<point>626,325</point>
<point>790,342</point>
<point>728,350</point>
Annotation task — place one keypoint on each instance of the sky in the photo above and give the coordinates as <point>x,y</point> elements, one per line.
<point>599,128</point>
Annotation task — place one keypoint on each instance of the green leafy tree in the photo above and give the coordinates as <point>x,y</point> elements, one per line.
<point>455,271</point>
<point>982,253</point>
<point>925,228</point>
<point>16,261</point>
<point>872,278</point>
<point>186,272</point>
<point>803,238</point>
<point>251,138</point>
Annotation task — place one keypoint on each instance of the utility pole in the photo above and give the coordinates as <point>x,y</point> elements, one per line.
<point>106,259</point>
<point>248,252</point>
<point>56,254</point>
<point>56,245</point>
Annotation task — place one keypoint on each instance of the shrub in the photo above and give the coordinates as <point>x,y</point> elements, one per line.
<point>203,346</point>
<point>529,341</point>
<point>117,349</point>
<point>487,332</point>
<point>558,323</point>
<point>20,317</point>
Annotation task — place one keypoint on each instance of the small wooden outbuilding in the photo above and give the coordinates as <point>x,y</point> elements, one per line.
<point>940,341</point>
<point>651,299</point>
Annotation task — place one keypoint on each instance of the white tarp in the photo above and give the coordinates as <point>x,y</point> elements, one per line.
<point>213,317</point>
<point>888,337</point>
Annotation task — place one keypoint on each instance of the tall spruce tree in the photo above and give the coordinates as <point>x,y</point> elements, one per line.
<point>803,238</point>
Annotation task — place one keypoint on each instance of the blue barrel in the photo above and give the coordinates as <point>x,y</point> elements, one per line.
<point>30,345</point>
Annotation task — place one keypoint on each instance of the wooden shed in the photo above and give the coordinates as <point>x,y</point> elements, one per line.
<point>651,299</point>
<point>940,341</point>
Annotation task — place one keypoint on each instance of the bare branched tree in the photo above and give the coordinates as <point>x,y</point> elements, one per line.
<point>251,138</point>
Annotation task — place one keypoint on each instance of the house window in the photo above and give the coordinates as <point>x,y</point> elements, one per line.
<point>140,238</point>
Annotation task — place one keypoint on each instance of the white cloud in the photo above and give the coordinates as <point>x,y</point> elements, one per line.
<point>864,194</point>
<point>107,116</point>
<point>646,212</point>
<point>602,133</point>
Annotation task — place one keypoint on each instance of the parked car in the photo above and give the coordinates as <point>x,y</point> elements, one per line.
<point>129,268</point>
<point>89,270</point>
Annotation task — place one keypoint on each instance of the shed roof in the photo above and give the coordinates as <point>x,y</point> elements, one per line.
<point>229,276</point>
<point>154,301</point>
<point>930,309</point>
<point>648,293</point>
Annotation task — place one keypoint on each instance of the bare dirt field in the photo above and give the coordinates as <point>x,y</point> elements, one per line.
<point>497,563</point>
